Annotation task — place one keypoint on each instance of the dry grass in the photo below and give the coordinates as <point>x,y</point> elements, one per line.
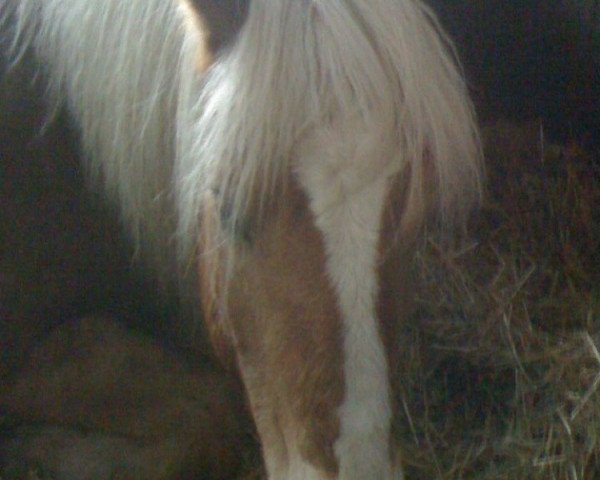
<point>502,362</point>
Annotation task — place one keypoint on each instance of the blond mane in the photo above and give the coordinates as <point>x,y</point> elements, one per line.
<point>157,135</point>
<point>298,67</point>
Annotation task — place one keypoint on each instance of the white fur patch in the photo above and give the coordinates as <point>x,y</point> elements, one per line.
<point>347,195</point>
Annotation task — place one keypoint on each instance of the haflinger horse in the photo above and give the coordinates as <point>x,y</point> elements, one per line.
<point>287,169</point>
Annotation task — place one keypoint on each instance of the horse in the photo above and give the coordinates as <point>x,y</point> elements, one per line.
<point>280,159</point>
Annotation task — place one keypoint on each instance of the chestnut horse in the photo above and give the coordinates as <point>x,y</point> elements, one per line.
<point>286,170</point>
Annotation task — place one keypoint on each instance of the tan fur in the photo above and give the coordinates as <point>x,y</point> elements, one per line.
<point>224,18</point>
<point>211,277</point>
<point>197,23</point>
<point>282,313</point>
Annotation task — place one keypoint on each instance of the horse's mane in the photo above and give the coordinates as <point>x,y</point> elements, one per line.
<point>301,66</point>
<point>118,67</point>
<point>157,135</point>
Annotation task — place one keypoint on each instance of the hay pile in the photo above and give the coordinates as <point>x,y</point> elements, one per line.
<point>502,358</point>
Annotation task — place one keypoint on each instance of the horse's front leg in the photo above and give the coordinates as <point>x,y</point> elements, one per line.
<point>281,318</point>
<point>284,321</point>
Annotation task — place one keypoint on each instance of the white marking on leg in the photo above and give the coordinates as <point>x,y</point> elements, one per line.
<point>347,195</point>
